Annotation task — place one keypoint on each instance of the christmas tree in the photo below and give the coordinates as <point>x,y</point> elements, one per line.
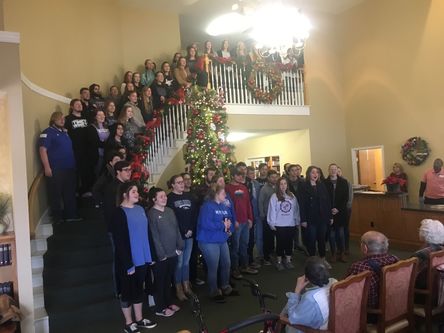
<point>207,132</point>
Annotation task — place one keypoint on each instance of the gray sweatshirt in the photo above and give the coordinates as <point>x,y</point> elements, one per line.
<point>264,198</point>
<point>165,232</point>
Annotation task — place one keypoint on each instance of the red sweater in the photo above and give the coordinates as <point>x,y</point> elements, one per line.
<point>241,199</point>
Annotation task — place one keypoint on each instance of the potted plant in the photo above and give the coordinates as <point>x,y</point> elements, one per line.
<point>5,209</point>
<point>394,184</point>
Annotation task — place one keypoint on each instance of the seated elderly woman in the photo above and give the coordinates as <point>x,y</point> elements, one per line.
<point>310,308</point>
<point>431,233</point>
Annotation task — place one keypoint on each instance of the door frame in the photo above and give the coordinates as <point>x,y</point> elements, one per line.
<point>355,162</point>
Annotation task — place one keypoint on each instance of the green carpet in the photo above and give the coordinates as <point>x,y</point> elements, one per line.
<point>79,294</point>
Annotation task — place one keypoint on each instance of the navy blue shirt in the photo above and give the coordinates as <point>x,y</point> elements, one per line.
<point>59,148</point>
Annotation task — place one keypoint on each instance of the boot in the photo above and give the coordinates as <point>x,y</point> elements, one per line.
<point>179,292</point>
<point>187,288</point>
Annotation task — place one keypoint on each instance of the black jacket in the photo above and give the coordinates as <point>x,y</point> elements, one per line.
<point>338,199</point>
<point>314,203</point>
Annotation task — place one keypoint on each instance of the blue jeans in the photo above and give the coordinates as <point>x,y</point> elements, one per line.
<point>259,235</point>
<point>183,262</point>
<point>217,258</point>
<point>239,246</point>
<point>337,240</point>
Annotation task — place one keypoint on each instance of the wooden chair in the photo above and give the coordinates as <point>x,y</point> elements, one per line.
<point>395,311</point>
<point>348,306</point>
<point>430,308</point>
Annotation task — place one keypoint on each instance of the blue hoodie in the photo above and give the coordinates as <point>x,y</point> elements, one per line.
<point>210,227</point>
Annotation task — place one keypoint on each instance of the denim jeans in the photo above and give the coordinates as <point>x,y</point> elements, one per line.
<point>239,246</point>
<point>259,235</point>
<point>217,257</point>
<point>183,262</point>
<point>337,240</point>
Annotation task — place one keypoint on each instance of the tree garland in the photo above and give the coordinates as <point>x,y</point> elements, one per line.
<point>415,151</point>
<point>273,73</point>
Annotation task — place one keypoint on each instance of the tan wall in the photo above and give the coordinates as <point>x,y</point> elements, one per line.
<point>393,78</point>
<point>277,144</point>
<point>176,166</point>
<point>69,44</point>
<point>1,16</point>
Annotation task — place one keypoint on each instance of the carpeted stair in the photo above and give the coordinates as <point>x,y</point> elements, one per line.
<point>78,278</point>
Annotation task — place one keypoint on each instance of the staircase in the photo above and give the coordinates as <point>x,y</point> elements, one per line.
<point>77,276</point>
<point>169,138</point>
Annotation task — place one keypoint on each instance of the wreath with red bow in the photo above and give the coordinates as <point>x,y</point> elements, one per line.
<point>275,78</point>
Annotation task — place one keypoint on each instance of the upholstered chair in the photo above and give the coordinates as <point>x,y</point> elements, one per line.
<point>395,311</point>
<point>431,307</point>
<point>348,305</point>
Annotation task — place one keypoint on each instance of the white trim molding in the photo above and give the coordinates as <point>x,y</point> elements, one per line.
<point>268,110</point>
<point>9,37</point>
<point>42,91</point>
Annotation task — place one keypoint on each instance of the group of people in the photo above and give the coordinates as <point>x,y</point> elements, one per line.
<point>310,306</point>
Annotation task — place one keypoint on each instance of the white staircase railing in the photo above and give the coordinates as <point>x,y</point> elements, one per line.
<point>167,136</point>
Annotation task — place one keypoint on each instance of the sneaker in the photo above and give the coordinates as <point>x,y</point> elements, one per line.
<point>249,270</point>
<point>279,266</point>
<point>199,282</point>
<point>327,264</point>
<point>218,298</point>
<point>288,265</point>
<point>146,323</point>
<point>131,328</point>
<point>236,275</point>
<point>267,263</point>
<point>173,307</point>
<point>229,291</point>
<point>165,313</point>
<point>255,265</point>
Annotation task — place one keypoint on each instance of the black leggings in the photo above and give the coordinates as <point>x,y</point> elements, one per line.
<point>284,241</point>
<point>163,277</point>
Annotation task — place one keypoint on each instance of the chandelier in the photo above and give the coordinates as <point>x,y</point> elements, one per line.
<point>274,26</point>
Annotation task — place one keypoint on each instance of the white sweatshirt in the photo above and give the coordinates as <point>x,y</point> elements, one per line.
<point>283,213</point>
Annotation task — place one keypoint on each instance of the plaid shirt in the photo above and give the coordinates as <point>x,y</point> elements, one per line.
<point>380,260</point>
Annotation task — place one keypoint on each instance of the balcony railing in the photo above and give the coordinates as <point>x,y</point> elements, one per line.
<point>232,78</point>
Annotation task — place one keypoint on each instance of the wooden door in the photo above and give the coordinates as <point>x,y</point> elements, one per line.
<point>370,168</point>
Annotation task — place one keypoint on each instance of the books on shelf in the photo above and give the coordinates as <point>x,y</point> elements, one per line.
<point>5,255</point>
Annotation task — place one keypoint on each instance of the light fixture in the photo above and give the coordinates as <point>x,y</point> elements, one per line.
<point>274,26</point>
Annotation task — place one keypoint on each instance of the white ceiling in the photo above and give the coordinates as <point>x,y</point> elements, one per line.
<point>211,6</point>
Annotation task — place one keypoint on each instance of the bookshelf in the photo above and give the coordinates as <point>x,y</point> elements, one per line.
<point>8,265</point>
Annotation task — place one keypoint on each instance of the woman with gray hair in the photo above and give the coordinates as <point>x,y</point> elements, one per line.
<point>431,232</point>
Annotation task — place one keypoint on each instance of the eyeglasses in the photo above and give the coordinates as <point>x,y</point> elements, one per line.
<point>127,169</point>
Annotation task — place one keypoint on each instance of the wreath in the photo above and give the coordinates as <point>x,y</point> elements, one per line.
<point>415,151</point>
<point>275,76</point>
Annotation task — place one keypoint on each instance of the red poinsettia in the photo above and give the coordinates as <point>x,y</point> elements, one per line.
<point>392,180</point>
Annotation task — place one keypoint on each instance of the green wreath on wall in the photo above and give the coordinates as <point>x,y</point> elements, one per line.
<point>415,151</point>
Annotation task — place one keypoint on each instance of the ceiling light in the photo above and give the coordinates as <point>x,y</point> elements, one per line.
<point>228,24</point>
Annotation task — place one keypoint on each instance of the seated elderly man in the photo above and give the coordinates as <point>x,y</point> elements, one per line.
<point>374,247</point>
<point>310,308</point>
<point>431,233</point>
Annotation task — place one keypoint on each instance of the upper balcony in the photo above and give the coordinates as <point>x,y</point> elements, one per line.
<point>260,88</point>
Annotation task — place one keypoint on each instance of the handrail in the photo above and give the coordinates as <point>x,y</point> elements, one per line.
<point>32,202</point>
